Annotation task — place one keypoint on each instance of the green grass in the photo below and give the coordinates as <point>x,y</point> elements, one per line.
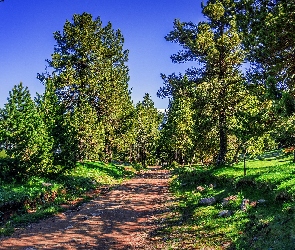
<point>269,225</point>
<point>38,197</point>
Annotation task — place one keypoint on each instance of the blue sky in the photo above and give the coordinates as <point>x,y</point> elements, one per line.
<point>27,26</point>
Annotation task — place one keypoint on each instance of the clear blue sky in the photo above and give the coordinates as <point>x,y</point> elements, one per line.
<point>27,26</point>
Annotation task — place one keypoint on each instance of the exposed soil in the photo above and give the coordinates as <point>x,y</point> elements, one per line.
<point>123,218</point>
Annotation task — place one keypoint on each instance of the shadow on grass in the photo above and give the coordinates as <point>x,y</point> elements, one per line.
<point>265,225</point>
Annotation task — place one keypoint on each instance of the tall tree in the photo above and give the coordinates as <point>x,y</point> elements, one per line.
<point>216,46</point>
<point>147,123</point>
<point>269,28</point>
<point>89,73</point>
<point>23,135</point>
<point>177,132</point>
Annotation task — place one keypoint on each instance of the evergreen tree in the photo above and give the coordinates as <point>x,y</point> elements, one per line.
<point>90,133</point>
<point>268,27</point>
<point>89,74</point>
<point>216,46</point>
<point>251,124</point>
<point>59,127</point>
<point>147,124</point>
<point>24,136</point>
<point>177,135</point>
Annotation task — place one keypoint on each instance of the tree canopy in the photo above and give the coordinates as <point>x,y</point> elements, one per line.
<point>239,96</point>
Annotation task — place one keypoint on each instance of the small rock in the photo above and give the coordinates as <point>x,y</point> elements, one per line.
<point>69,227</point>
<point>225,213</point>
<point>74,240</point>
<point>226,200</point>
<point>95,214</point>
<point>200,188</point>
<point>244,204</point>
<point>207,201</point>
<point>253,203</point>
<point>46,184</point>
<point>83,217</point>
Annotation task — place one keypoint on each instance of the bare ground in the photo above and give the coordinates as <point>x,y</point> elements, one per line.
<point>123,218</point>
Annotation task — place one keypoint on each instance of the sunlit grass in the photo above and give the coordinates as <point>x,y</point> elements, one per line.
<point>265,225</point>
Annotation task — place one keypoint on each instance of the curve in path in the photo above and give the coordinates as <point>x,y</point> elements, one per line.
<point>119,219</point>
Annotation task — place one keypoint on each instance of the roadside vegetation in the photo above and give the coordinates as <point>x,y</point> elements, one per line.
<point>38,197</point>
<point>220,208</point>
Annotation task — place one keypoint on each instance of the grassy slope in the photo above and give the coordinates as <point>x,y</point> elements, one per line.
<point>269,225</point>
<point>41,197</point>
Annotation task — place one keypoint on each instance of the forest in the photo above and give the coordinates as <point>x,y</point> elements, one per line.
<point>239,99</point>
<point>237,102</point>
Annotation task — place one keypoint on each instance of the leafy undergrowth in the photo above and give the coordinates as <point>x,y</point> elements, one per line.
<point>267,221</point>
<point>38,198</point>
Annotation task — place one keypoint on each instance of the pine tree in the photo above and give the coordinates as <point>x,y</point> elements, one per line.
<point>216,46</point>
<point>59,127</point>
<point>24,136</point>
<point>177,134</point>
<point>90,75</point>
<point>268,27</point>
<point>148,120</point>
<point>90,133</point>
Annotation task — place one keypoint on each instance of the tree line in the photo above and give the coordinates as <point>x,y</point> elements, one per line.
<point>238,99</point>
<point>85,113</point>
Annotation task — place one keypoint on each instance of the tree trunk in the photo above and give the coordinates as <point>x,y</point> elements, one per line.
<point>235,159</point>
<point>222,139</point>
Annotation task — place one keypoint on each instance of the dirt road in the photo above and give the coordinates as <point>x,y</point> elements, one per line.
<point>122,218</point>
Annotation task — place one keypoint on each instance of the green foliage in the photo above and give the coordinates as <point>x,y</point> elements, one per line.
<point>147,123</point>
<point>218,85</point>
<point>60,128</point>
<point>3,154</point>
<point>176,137</point>
<point>24,136</point>
<point>252,124</point>
<point>90,133</point>
<point>90,79</point>
<point>268,28</point>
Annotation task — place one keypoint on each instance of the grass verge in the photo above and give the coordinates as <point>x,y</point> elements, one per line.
<point>256,211</point>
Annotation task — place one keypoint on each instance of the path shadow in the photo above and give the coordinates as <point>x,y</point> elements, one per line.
<point>119,219</point>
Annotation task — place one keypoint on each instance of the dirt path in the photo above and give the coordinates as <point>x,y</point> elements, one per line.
<point>120,219</point>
